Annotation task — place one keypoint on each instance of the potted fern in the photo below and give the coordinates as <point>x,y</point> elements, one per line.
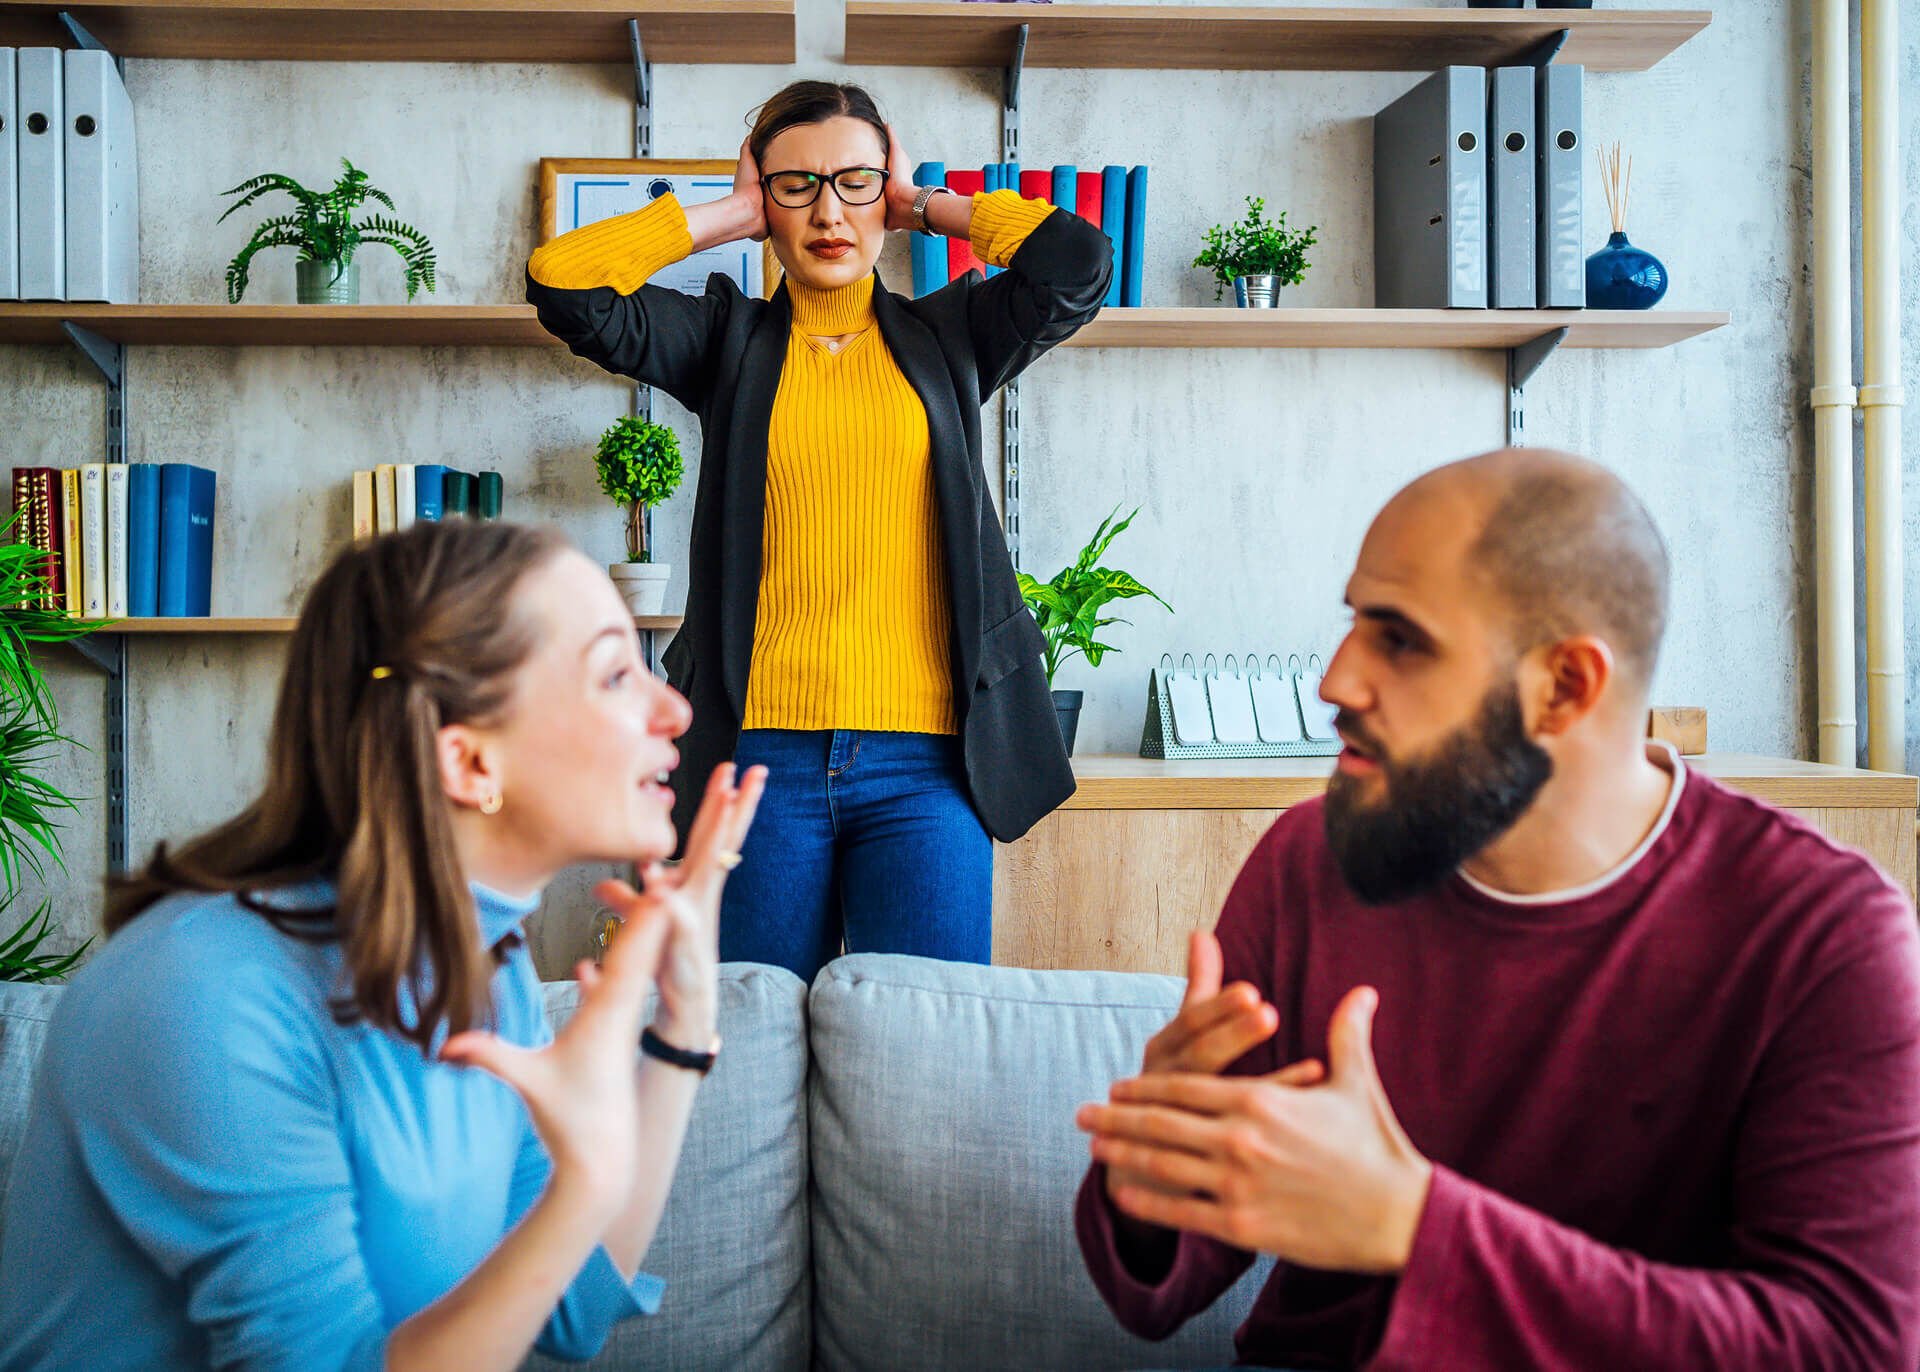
<point>1257,257</point>
<point>30,805</point>
<point>639,464</point>
<point>322,227</point>
<point>1069,608</point>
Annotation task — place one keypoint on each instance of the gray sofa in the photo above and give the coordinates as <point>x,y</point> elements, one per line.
<point>879,1174</point>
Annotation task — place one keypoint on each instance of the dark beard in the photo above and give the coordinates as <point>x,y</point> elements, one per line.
<point>1441,808</point>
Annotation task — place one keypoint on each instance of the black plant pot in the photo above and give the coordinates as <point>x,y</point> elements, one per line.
<point>1066,706</point>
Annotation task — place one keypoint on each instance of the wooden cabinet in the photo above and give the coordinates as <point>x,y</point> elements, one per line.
<point>1145,852</point>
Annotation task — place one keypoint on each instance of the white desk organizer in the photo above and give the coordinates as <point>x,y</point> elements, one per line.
<point>1237,708</point>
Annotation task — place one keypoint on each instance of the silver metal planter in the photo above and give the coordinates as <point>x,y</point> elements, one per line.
<point>1259,292</point>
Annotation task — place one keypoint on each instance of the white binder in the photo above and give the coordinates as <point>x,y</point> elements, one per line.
<point>9,181</point>
<point>42,221</point>
<point>1559,187</point>
<point>1512,278</point>
<point>1315,713</point>
<point>1230,700</point>
<point>103,205</point>
<point>1275,707</point>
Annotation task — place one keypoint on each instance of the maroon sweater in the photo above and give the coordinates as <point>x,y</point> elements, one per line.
<point>1674,1121</point>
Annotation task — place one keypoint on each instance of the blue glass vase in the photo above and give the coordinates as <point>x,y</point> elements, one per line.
<point>1623,277</point>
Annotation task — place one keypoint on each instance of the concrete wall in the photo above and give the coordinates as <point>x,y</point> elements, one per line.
<point>1257,472</point>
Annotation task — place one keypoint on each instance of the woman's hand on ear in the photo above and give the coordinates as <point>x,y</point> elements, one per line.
<point>747,190</point>
<point>900,187</point>
<point>689,894</point>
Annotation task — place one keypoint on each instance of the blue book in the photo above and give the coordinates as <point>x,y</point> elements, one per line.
<point>186,539</point>
<point>1113,222</point>
<point>1136,242</point>
<point>429,480</point>
<point>1066,189</point>
<point>929,252</point>
<point>143,540</point>
<point>996,173</point>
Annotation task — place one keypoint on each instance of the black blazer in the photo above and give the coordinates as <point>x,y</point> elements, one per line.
<point>720,355</point>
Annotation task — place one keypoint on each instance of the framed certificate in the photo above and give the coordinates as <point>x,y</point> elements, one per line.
<point>584,190</point>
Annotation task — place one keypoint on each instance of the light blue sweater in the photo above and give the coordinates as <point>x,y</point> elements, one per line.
<point>215,1173</point>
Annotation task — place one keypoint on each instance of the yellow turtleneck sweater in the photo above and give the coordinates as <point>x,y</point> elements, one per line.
<point>853,616</point>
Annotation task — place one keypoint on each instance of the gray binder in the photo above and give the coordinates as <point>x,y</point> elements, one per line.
<point>43,240</point>
<point>1512,278</point>
<point>9,183</point>
<point>1560,163</point>
<point>1430,194</point>
<point>103,208</point>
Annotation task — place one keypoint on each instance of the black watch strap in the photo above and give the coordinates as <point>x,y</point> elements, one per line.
<point>658,1048</point>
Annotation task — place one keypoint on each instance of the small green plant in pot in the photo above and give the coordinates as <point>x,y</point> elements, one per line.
<point>322,227</point>
<point>1257,257</point>
<point>640,465</point>
<point>30,734</point>
<point>1070,612</point>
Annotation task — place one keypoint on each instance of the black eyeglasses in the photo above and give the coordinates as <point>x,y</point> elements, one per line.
<point>798,189</point>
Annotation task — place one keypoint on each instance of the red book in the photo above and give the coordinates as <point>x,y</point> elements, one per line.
<point>1090,199</point>
<point>1036,185</point>
<point>36,499</point>
<point>960,258</point>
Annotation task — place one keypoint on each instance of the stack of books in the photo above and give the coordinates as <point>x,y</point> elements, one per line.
<point>1115,198</point>
<point>398,495</point>
<point>122,540</point>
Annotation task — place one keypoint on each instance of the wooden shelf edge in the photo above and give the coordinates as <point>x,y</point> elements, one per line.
<point>951,33</point>
<point>755,32</point>
<point>516,326</point>
<point>227,624</point>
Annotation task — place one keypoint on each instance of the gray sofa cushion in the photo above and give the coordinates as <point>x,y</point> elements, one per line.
<point>24,1012</point>
<point>733,1242</point>
<point>945,1161</point>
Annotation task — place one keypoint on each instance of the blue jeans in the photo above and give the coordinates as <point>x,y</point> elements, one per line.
<point>865,837</point>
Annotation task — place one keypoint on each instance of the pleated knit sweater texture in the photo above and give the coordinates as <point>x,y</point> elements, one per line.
<point>853,619</point>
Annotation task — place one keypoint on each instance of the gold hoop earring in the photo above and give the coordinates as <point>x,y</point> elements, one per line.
<point>491,802</point>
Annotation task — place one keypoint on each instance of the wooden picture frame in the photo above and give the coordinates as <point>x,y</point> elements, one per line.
<point>583,190</point>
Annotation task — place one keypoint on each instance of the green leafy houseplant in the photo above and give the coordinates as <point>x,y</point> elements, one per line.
<point>29,735</point>
<point>1069,607</point>
<point>1256,247</point>
<point>323,229</point>
<point>639,464</point>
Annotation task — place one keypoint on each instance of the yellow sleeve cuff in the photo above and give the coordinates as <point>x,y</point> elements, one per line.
<point>1001,222</point>
<point>621,252</point>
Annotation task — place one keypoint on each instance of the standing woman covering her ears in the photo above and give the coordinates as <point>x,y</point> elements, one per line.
<point>257,1137</point>
<point>853,622</point>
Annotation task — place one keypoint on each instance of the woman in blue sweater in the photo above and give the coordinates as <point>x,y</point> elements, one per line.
<point>258,1138</point>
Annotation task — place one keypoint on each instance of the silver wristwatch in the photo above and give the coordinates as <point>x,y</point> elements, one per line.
<point>920,199</point>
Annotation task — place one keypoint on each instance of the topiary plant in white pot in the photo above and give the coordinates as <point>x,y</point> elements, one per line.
<point>639,464</point>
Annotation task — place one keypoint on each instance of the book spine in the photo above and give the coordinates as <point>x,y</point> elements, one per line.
<point>143,540</point>
<point>117,540</point>
<point>405,500</point>
<point>429,485</point>
<point>489,492</point>
<point>174,499</point>
<point>383,498</point>
<point>362,506</point>
<point>93,537</point>
<point>70,542</point>
<point>46,492</point>
<point>960,256</point>
<point>200,541</point>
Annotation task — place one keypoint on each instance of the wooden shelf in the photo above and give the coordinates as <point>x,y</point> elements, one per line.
<point>1226,326</point>
<point>514,326</point>
<point>257,326</point>
<point>243,625</point>
<point>953,33</point>
<point>729,31</point>
<point>1137,783</point>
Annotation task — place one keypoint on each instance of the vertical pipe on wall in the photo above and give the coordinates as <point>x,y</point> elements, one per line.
<point>1880,391</point>
<point>1833,393</point>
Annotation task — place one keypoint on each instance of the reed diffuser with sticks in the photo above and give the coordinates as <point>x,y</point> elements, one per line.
<point>1621,276</point>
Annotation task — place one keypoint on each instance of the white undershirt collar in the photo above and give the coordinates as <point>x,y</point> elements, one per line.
<point>1662,755</point>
